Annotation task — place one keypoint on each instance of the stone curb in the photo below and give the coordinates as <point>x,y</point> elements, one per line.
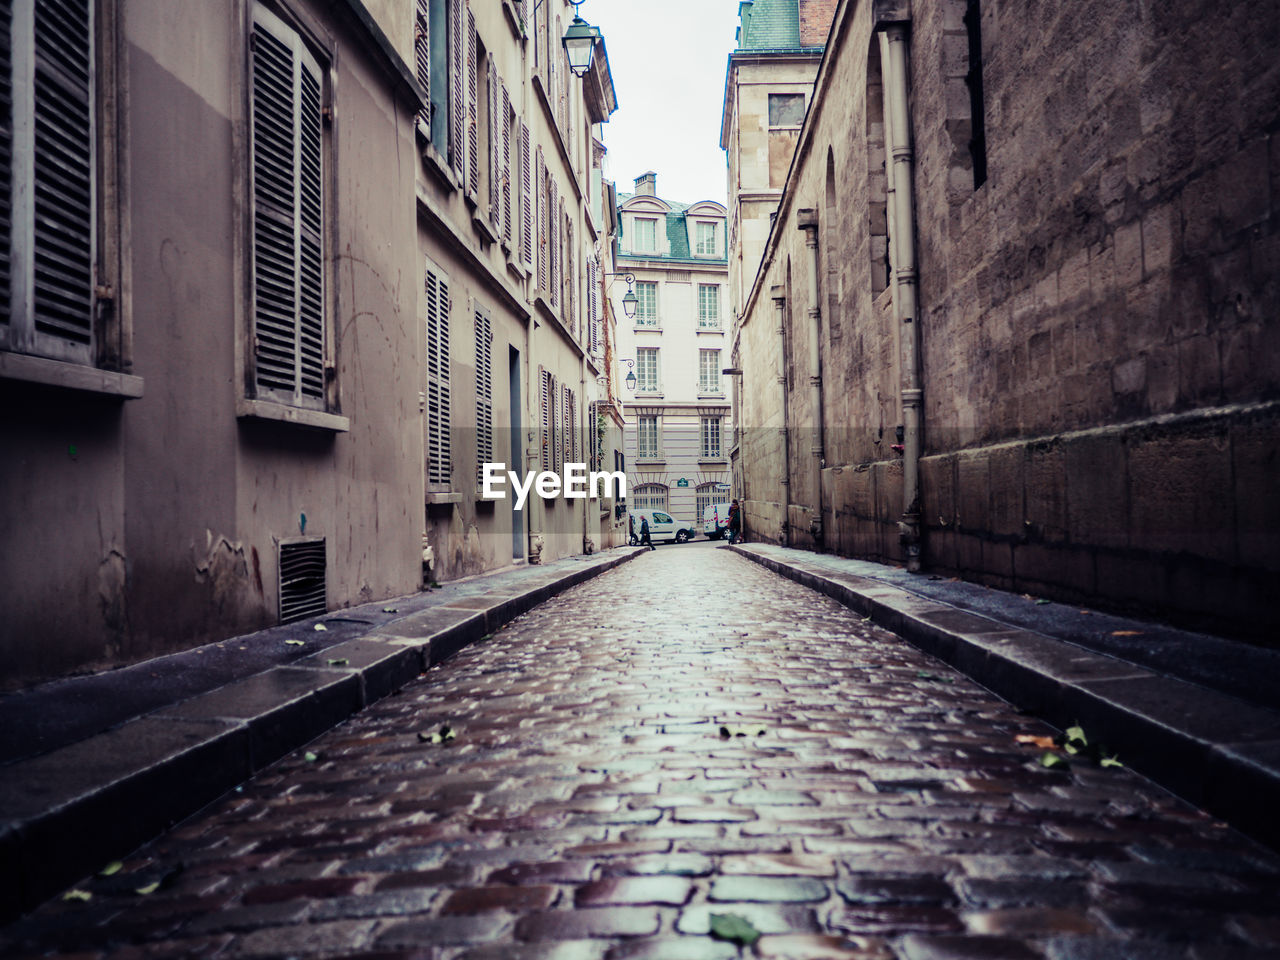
<point>1213,750</point>
<point>71,811</point>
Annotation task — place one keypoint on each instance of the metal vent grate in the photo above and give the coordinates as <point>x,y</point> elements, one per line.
<point>303,584</point>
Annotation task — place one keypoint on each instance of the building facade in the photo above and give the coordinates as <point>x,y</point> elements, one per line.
<point>673,351</point>
<point>1016,318</point>
<point>269,295</point>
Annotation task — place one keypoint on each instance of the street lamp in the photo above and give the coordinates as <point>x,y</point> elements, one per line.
<point>629,300</point>
<point>579,43</point>
<point>631,375</point>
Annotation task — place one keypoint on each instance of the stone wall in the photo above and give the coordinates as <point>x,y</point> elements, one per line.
<point>1100,358</point>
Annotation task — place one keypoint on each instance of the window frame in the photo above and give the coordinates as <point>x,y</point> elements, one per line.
<point>636,221</point>
<point>642,493</point>
<point>438,379</point>
<point>655,385</point>
<point>714,243</point>
<point>711,438</point>
<point>704,321</point>
<point>646,303</point>
<point>648,437</point>
<point>705,387</point>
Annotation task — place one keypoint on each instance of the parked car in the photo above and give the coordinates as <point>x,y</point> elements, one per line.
<point>663,526</point>
<point>715,520</point>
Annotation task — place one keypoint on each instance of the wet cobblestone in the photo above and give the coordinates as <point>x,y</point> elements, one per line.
<point>685,736</point>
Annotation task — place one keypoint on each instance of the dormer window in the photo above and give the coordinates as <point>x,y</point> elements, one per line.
<point>707,240</point>
<point>646,235</point>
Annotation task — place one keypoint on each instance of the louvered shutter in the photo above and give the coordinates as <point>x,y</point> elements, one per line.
<point>6,160</point>
<point>457,91</point>
<point>553,241</point>
<point>63,194</point>
<point>566,428</point>
<point>422,59</point>
<point>593,305</point>
<point>571,278</point>
<point>484,392</point>
<point>547,419</point>
<point>473,107</point>
<point>541,239</point>
<point>526,197</point>
<point>506,115</point>
<point>495,150</point>
<point>288,258</point>
<point>439,421</point>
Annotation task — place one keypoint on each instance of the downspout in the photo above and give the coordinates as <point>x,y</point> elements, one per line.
<point>905,280</point>
<point>807,220</point>
<point>780,304</point>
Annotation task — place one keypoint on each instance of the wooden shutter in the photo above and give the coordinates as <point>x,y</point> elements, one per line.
<point>541,239</point>
<point>495,150</point>
<point>473,107</point>
<point>288,260</point>
<point>526,197</point>
<point>439,422</point>
<point>484,392</point>
<point>422,59</point>
<point>593,305</point>
<point>553,241</point>
<point>61,260</point>
<point>457,91</point>
<point>566,428</point>
<point>547,389</point>
<point>506,118</point>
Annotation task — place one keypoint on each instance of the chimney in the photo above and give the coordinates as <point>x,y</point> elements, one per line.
<point>647,184</point>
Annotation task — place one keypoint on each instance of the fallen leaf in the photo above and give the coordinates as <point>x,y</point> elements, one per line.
<point>1046,743</point>
<point>1042,602</point>
<point>149,889</point>
<point>296,643</point>
<point>1052,760</point>
<point>735,929</point>
<point>924,675</point>
<point>321,626</point>
<point>339,662</point>
<point>1110,762</point>
<point>81,895</point>
<point>310,757</point>
<point>1071,748</point>
<point>1077,733</point>
<point>1086,613</point>
<point>111,869</point>
<point>1126,633</point>
<point>390,609</point>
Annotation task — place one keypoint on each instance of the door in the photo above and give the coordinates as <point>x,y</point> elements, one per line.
<point>516,405</point>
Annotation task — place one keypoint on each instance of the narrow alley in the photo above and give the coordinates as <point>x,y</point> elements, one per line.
<point>686,736</point>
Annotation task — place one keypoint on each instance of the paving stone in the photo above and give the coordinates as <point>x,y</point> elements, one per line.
<point>921,947</point>
<point>778,865</point>
<point>674,948</point>
<point>765,917</point>
<point>301,890</point>
<point>444,931</point>
<point>588,923</point>
<point>1029,921</point>
<point>821,947</point>
<point>392,903</point>
<point>339,937</point>
<point>634,891</point>
<point>675,864</point>
<point>860,889</point>
<point>513,899</point>
<point>545,950</point>
<point>1098,948</point>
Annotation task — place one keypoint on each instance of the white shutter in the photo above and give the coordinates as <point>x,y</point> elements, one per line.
<point>495,150</point>
<point>542,239</point>
<point>439,422</point>
<point>593,305</point>
<point>288,259</point>
<point>526,197</point>
<point>506,116</point>
<point>473,107</point>
<point>553,240</point>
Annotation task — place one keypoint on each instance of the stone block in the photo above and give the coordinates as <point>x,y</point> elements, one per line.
<point>1199,216</point>
<point>1159,239</point>
<point>968,554</point>
<point>1097,491</point>
<point>1064,569</point>
<point>1128,254</point>
<point>1199,371</point>
<point>1176,490</point>
<point>973,481</point>
<point>1045,486</point>
<point>1162,380</point>
<point>1255,466</point>
<point>1006,477</point>
<point>1243,187</point>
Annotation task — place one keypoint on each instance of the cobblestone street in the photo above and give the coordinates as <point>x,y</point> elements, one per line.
<point>867,802</point>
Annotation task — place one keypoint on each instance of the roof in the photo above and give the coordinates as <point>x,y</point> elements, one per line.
<point>770,25</point>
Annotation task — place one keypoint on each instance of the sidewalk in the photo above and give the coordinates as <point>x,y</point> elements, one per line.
<point>92,766</point>
<point>1198,714</point>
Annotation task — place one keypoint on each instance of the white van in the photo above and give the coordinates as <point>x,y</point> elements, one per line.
<point>662,526</point>
<point>715,520</point>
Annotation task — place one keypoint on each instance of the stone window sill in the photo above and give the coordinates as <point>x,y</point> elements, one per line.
<point>69,376</point>
<point>247,409</point>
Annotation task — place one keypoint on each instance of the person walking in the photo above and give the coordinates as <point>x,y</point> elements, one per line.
<point>735,521</point>
<point>645,540</point>
<point>631,530</point>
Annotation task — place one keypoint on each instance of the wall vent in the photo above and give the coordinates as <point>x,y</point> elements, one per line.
<point>303,580</point>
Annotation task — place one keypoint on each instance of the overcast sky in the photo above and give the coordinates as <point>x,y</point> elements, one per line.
<point>668,59</point>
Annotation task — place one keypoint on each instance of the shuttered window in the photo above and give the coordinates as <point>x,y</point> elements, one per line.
<point>541,239</point>
<point>47,168</point>
<point>436,321</point>
<point>548,418</point>
<point>288,206</point>
<point>593,306</point>
<point>568,424</point>
<point>507,118</point>
<point>526,198</point>
<point>457,90</point>
<point>554,216</point>
<point>484,391</point>
<point>473,106</point>
<point>492,133</point>
<point>422,60</point>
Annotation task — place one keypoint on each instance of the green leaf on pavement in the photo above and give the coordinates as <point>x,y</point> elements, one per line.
<point>111,869</point>
<point>735,929</point>
<point>390,609</point>
<point>1040,603</point>
<point>339,662</point>
<point>321,626</point>
<point>149,889</point>
<point>296,643</point>
<point>1110,762</point>
<point>443,735</point>
<point>81,895</point>
<point>310,757</point>
<point>1052,761</point>
<point>925,675</point>
<point>1077,733</point>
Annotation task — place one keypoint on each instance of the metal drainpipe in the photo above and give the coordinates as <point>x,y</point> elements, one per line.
<point>905,281</point>
<point>780,303</point>
<point>807,220</point>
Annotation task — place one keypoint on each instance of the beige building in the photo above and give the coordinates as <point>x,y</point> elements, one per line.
<point>1016,318</point>
<point>269,293</point>
<point>671,257</point>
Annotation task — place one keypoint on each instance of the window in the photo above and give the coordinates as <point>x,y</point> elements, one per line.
<point>439,425</point>
<point>287,144</point>
<point>650,496</point>
<point>647,303</point>
<point>647,439</point>
<point>484,391</point>
<point>568,426</point>
<point>709,494</point>
<point>48,158</point>
<point>978,141</point>
<point>708,244</point>
<point>710,449</point>
<point>646,235</point>
<point>647,370</point>
<point>708,306</point>
<point>786,109</point>
<point>550,439</point>
<point>709,371</point>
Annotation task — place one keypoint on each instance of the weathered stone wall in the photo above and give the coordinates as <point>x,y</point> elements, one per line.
<point>1100,355</point>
